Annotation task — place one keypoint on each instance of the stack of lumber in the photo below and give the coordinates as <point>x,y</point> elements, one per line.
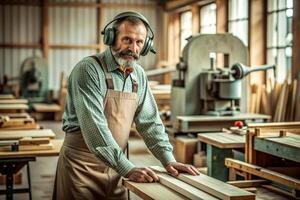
<point>278,100</point>
<point>272,152</point>
<point>28,140</point>
<point>187,186</point>
<point>17,122</point>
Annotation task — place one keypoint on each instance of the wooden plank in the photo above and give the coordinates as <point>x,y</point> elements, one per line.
<point>212,186</point>
<point>7,96</point>
<point>17,134</point>
<point>263,173</point>
<point>22,127</point>
<point>281,125</point>
<point>183,188</point>
<point>41,147</point>
<point>293,100</point>
<point>57,144</point>
<point>31,141</point>
<point>43,107</point>
<point>15,115</point>
<point>223,140</point>
<point>13,101</point>
<point>248,183</point>
<point>14,107</point>
<point>151,191</point>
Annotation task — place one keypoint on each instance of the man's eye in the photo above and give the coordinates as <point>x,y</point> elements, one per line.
<point>126,40</point>
<point>140,43</point>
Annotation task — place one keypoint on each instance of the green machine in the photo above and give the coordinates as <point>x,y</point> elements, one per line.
<point>202,89</point>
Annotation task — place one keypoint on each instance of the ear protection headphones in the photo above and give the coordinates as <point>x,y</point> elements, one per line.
<point>109,34</point>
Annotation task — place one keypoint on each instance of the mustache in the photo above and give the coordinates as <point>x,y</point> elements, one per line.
<point>127,53</point>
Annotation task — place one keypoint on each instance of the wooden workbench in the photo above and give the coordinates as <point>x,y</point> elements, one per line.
<point>220,145</point>
<point>7,96</point>
<point>12,162</point>
<point>206,123</point>
<point>13,108</point>
<point>13,101</point>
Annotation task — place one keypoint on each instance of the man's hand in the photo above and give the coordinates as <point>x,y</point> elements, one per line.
<point>175,168</point>
<point>142,175</point>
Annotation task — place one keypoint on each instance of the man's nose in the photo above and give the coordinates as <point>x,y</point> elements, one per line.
<point>134,47</point>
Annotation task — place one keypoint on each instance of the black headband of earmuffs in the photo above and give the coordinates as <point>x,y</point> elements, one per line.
<point>110,33</point>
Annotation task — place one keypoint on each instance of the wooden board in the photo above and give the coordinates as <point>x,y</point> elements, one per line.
<point>263,173</point>
<point>17,134</point>
<point>40,147</point>
<point>223,140</point>
<point>213,186</point>
<point>13,101</point>
<point>7,96</point>
<point>31,141</point>
<point>206,123</point>
<point>43,107</point>
<point>184,188</point>
<point>15,115</point>
<point>57,144</point>
<point>14,107</point>
<point>151,191</point>
<point>248,183</point>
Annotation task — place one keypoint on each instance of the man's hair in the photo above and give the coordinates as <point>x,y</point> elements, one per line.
<point>132,20</point>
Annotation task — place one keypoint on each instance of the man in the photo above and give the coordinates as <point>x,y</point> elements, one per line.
<point>106,94</point>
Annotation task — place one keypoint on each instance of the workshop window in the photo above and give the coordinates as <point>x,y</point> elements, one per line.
<point>238,19</point>
<point>279,37</point>
<point>208,18</point>
<point>185,27</point>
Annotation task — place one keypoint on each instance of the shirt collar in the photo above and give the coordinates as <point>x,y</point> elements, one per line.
<point>110,60</point>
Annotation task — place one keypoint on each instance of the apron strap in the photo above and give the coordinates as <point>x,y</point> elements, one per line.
<point>108,78</point>
<point>135,85</point>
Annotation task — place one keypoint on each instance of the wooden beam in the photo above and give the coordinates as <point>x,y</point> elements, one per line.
<point>296,41</point>
<point>195,19</point>
<point>222,16</point>
<point>24,46</point>
<point>98,5</point>
<point>248,183</point>
<point>45,28</point>
<point>178,5</point>
<point>74,46</point>
<point>263,173</point>
<point>257,37</point>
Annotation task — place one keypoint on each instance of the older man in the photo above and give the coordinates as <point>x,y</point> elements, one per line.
<point>106,94</point>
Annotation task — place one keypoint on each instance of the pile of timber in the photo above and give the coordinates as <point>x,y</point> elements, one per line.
<point>186,186</point>
<point>17,121</point>
<point>26,140</point>
<point>278,100</point>
<point>271,153</point>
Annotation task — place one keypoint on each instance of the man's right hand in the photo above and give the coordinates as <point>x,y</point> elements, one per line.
<point>142,175</point>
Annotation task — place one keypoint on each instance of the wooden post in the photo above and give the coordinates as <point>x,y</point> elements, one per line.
<point>195,19</point>
<point>222,16</point>
<point>45,28</point>
<point>257,37</point>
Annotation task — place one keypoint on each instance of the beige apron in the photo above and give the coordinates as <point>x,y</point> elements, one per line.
<point>80,174</point>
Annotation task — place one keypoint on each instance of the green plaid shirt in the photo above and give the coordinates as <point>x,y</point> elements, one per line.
<point>84,111</point>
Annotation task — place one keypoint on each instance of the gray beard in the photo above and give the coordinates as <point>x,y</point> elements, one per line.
<point>121,61</point>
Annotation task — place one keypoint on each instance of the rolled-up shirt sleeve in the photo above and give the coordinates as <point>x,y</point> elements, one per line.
<point>151,128</point>
<point>84,86</point>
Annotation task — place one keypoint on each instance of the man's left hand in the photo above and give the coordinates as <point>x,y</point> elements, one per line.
<point>175,168</point>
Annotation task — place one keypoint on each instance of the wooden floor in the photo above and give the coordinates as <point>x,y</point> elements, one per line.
<point>43,170</point>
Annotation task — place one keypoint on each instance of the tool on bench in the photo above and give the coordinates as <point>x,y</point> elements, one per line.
<point>13,143</point>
